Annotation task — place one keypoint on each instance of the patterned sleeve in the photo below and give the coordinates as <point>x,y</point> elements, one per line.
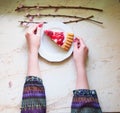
<point>85,101</point>
<point>34,99</point>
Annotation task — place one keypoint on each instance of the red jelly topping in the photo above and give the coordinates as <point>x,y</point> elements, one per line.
<point>58,37</point>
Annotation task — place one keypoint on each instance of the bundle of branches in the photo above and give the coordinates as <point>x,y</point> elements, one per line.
<point>56,8</point>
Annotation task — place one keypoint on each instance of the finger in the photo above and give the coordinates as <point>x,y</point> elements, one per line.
<point>82,42</point>
<point>76,39</point>
<point>87,49</point>
<point>76,43</point>
<point>40,25</point>
<point>39,29</point>
<point>32,29</point>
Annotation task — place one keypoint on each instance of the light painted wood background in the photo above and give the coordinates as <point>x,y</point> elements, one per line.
<point>59,78</point>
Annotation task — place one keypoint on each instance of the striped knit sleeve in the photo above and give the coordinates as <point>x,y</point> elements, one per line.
<point>34,99</point>
<point>85,101</point>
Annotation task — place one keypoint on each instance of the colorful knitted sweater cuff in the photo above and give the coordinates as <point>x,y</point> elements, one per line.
<point>34,99</point>
<point>85,98</point>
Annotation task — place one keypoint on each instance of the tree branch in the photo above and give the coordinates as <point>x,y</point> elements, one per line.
<point>68,16</point>
<point>50,15</point>
<point>80,19</point>
<point>66,22</point>
<point>22,7</point>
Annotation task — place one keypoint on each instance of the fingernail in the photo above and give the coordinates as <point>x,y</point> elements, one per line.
<point>35,31</point>
<point>40,25</point>
<point>76,39</point>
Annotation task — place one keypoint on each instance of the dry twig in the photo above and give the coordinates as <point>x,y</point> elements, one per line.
<point>68,16</point>
<point>22,7</point>
<point>66,22</point>
<point>50,15</point>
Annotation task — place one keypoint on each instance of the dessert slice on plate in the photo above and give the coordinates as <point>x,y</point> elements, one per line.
<point>60,39</point>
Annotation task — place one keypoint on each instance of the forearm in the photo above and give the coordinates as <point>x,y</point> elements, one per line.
<point>84,100</point>
<point>81,80</point>
<point>33,64</point>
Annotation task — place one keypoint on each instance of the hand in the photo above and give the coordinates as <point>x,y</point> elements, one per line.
<point>80,52</point>
<point>33,38</point>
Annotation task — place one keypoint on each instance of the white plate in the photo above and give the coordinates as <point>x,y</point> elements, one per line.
<point>48,49</point>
